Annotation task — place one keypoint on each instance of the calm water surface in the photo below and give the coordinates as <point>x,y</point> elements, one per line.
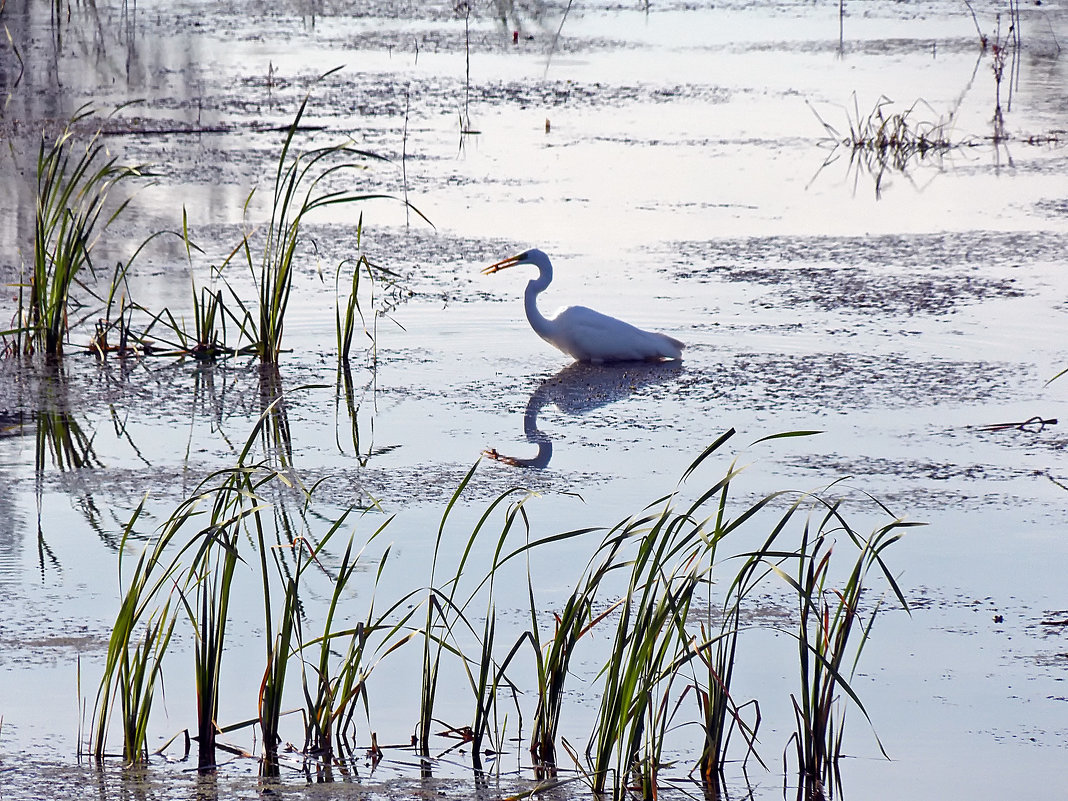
<point>673,162</point>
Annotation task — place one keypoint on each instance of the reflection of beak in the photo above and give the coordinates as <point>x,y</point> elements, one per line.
<point>504,264</point>
<point>492,453</point>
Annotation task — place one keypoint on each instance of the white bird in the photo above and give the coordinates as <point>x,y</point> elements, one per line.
<point>584,334</point>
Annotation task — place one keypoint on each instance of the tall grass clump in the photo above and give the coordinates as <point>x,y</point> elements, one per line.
<point>831,635</point>
<point>198,568</point>
<point>333,687</point>
<point>74,181</point>
<point>300,188</point>
<point>384,293</point>
<point>886,140</point>
<point>194,556</point>
<point>553,656</point>
<point>330,707</point>
<point>650,637</point>
<point>715,654</point>
<point>451,627</point>
<point>139,640</point>
<point>443,612</point>
<point>674,558</point>
<point>206,597</point>
<point>491,678</point>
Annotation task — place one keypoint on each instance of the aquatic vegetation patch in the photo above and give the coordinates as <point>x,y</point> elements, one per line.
<point>72,210</point>
<point>660,584</point>
<point>74,181</point>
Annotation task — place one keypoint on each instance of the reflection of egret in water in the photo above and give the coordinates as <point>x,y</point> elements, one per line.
<point>579,389</point>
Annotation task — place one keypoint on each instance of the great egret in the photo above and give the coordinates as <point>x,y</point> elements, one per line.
<point>584,334</point>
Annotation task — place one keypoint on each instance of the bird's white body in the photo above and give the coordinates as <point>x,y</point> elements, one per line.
<point>584,334</point>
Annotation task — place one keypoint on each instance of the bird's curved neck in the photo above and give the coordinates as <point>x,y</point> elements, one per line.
<point>539,322</point>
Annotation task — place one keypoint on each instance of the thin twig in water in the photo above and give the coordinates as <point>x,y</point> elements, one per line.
<point>556,38</point>
<point>404,158</point>
<point>1035,423</point>
<point>978,30</point>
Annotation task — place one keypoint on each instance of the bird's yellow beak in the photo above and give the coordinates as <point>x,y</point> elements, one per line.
<point>503,264</point>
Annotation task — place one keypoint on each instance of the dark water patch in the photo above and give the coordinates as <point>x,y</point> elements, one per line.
<point>1052,208</point>
<point>573,93</point>
<point>427,263</point>
<point>432,484</point>
<point>977,249</point>
<point>46,632</point>
<point>392,779</point>
<point>919,469</point>
<point>836,382</point>
<point>538,41</point>
<point>897,274</point>
<point>38,648</point>
<point>866,48</point>
<point>243,159</point>
<point>355,96</point>
<point>1025,153</point>
<point>852,289</point>
<point>707,144</point>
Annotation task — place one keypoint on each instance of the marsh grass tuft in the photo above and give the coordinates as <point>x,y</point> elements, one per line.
<point>890,141</point>
<point>553,657</point>
<point>139,640</point>
<point>332,693</point>
<point>831,636</point>
<point>300,188</point>
<point>73,209</point>
<point>73,185</point>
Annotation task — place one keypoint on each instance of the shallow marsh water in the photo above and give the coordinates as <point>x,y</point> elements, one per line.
<point>670,161</point>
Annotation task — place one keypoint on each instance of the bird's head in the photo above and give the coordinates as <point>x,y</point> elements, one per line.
<point>533,256</point>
